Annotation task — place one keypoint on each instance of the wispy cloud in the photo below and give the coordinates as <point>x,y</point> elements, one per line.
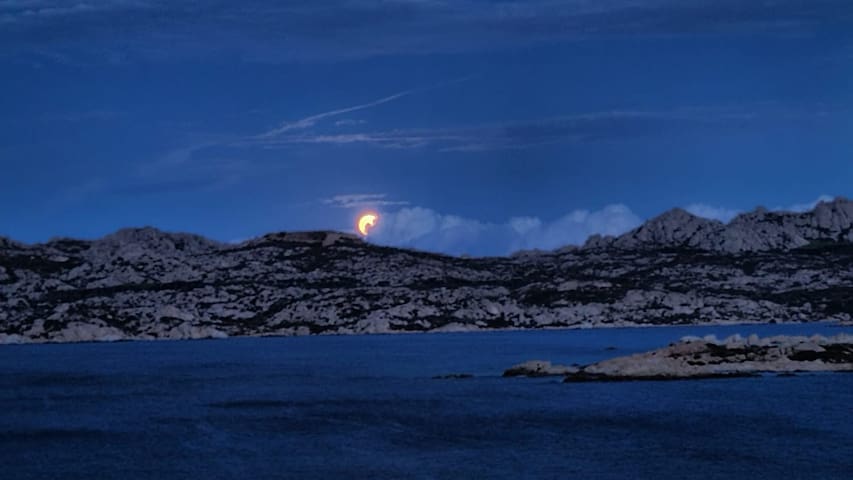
<point>22,9</point>
<point>34,12</point>
<point>348,122</point>
<point>526,134</point>
<point>361,200</point>
<point>272,31</point>
<point>181,167</point>
<point>805,207</point>
<point>312,120</point>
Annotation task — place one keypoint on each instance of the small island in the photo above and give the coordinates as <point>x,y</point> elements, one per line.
<point>708,357</point>
<point>539,368</point>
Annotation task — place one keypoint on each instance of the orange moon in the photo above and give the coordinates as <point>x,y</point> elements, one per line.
<point>366,221</point>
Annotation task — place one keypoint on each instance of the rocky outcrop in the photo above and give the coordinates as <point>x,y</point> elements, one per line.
<point>734,356</point>
<point>759,230</point>
<point>453,376</point>
<point>148,284</point>
<point>675,228</point>
<point>538,368</point>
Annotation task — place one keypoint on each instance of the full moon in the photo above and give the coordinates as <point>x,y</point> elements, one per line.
<point>365,221</point>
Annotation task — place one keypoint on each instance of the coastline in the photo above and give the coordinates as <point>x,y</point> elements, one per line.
<point>5,339</point>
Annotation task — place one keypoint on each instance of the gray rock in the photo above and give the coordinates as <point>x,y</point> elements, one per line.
<point>734,356</point>
<point>675,228</point>
<point>759,230</point>
<point>677,269</point>
<point>538,368</point>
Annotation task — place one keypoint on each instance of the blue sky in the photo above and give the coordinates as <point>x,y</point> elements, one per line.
<point>472,126</point>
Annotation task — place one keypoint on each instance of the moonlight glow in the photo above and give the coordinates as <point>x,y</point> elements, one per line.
<point>366,221</point>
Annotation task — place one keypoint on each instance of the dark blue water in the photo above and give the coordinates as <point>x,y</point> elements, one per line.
<point>367,407</point>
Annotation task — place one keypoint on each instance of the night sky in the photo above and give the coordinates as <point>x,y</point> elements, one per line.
<point>471,126</point>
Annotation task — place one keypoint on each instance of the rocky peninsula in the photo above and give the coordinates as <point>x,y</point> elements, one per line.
<point>708,357</point>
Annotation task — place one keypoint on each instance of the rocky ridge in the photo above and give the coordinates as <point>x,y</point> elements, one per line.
<point>675,269</point>
<point>759,230</point>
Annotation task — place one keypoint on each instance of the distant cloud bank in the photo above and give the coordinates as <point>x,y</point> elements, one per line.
<point>426,229</point>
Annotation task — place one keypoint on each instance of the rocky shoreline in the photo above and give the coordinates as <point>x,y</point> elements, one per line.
<point>708,357</point>
<point>539,368</point>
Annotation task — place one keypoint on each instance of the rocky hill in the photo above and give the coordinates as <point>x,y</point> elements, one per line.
<point>675,269</point>
<point>756,231</point>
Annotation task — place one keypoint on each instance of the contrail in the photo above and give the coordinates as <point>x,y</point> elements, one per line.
<point>308,122</point>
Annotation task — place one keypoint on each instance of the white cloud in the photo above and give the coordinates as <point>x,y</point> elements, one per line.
<point>361,200</point>
<point>585,127</point>
<point>14,11</point>
<point>308,122</point>
<point>349,122</point>
<point>427,229</point>
<point>312,120</point>
<point>805,207</point>
<point>577,226</point>
<point>524,225</point>
<point>722,214</point>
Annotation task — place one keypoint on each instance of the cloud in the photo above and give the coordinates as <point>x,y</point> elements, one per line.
<point>348,122</point>
<point>361,200</point>
<point>524,225</point>
<point>725,214</point>
<point>591,126</point>
<point>805,207</point>
<point>426,229</point>
<point>18,10</point>
<point>575,227</point>
<point>312,120</point>
<point>298,30</point>
<point>711,212</point>
<point>308,122</point>
<point>25,15</point>
<point>186,157</point>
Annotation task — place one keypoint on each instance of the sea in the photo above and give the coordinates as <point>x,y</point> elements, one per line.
<point>369,407</point>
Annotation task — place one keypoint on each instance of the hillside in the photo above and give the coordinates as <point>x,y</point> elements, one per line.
<point>675,269</point>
